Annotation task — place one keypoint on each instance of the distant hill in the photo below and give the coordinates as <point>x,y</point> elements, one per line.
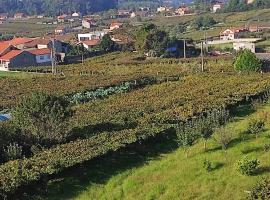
<point>55,7</point>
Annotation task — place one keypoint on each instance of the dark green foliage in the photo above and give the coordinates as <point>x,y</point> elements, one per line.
<point>141,34</point>
<point>247,61</point>
<point>247,166</point>
<point>261,190</point>
<point>42,118</point>
<point>75,50</point>
<point>55,7</point>
<point>207,165</point>
<point>255,126</point>
<point>186,135</point>
<point>236,5</point>
<point>204,22</point>
<point>12,152</point>
<point>106,44</point>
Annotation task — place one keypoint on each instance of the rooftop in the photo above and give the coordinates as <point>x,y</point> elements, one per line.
<point>10,55</point>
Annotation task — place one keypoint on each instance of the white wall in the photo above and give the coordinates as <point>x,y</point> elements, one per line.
<point>43,58</point>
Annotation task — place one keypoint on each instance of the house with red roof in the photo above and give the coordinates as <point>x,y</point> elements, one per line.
<point>19,15</point>
<point>116,25</point>
<point>20,42</point>
<point>183,10</point>
<point>16,59</point>
<point>42,56</point>
<point>5,47</point>
<point>232,33</point>
<point>88,23</point>
<point>90,44</point>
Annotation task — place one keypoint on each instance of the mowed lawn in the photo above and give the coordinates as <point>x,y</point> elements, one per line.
<point>168,174</point>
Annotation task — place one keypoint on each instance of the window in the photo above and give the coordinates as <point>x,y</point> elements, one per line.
<point>48,57</point>
<point>41,57</point>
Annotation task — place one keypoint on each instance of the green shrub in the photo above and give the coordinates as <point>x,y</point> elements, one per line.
<point>43,118</point>
<point>12,152</point>
<point>247,166</point>
<point>207,165</point>
<point>247,61</point>
<point>223,137</point>
<point>261,190</point>
<point>255,126</point>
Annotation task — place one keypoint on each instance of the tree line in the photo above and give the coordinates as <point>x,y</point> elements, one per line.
<point>55,7</point>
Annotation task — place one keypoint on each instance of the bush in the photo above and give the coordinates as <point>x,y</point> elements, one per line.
<point>223,137</point>
<point>247,61</point>
<point>261,190</point>
<point>255,126</point>
<point>43,118</point>
<point>247,166</point>
<point>12,152</point>
<point>207,165</point>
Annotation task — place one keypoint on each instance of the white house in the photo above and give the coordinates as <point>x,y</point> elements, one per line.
<point>43,56</point>
<point>231,34</point>
<point>92,35</point>
<point>75,15</point>
<point>87,23</point>
<point>244,45</point>
<point>216,7</point>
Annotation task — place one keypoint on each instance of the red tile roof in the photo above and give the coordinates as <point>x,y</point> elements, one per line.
<point>36,42</point>
<point>40,51</point>
<point>11,55</point>
<point>17,41</point>
<point>3,46</point>
<point>91,42</point>
<point>116,24</point>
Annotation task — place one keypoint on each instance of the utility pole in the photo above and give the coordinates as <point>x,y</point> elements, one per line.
<point>53,57</point>
<point>202,57</point>
<point>185,56</point>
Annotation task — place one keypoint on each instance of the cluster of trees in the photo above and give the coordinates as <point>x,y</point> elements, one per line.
<point>155,42</point>
<point>204,22</point>
<point>55,7</point>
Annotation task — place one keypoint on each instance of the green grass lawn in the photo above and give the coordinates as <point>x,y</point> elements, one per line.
<point>161,171</point>
<point>21,75</point>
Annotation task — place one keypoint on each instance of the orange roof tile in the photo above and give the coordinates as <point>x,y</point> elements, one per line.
<point>17,41</point>
<point>4,46</point>
<point>11,55</point>
<point>40,51</point>
<point>91,42</point>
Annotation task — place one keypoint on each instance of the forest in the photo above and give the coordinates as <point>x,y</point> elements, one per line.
<point>55,7</point>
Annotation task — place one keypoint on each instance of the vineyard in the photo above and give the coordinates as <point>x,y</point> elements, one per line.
<point>119,99</point>
<point>104,71</point>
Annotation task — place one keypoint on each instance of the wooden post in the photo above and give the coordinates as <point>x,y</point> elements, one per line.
<point>202,56</point>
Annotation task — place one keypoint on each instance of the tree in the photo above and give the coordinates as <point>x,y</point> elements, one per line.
<point>106,44</point>
<point>186,135</point>
<point>157,41</point>
<point>247,61</point>
<point>204,22</point>
<point>223,137</point>
<point>141,34</point>
<point>43,118</point>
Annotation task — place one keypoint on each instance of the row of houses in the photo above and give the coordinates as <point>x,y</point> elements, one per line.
<point>234,33</point>
<point>92,39</point>
<point>28,52</point>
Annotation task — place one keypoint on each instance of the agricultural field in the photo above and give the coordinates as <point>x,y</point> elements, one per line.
<point>102,71</point>
<point>27,27</point>
<point>119,101</point>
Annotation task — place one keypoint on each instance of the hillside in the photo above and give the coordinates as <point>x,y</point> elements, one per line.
<point>55,7</point>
